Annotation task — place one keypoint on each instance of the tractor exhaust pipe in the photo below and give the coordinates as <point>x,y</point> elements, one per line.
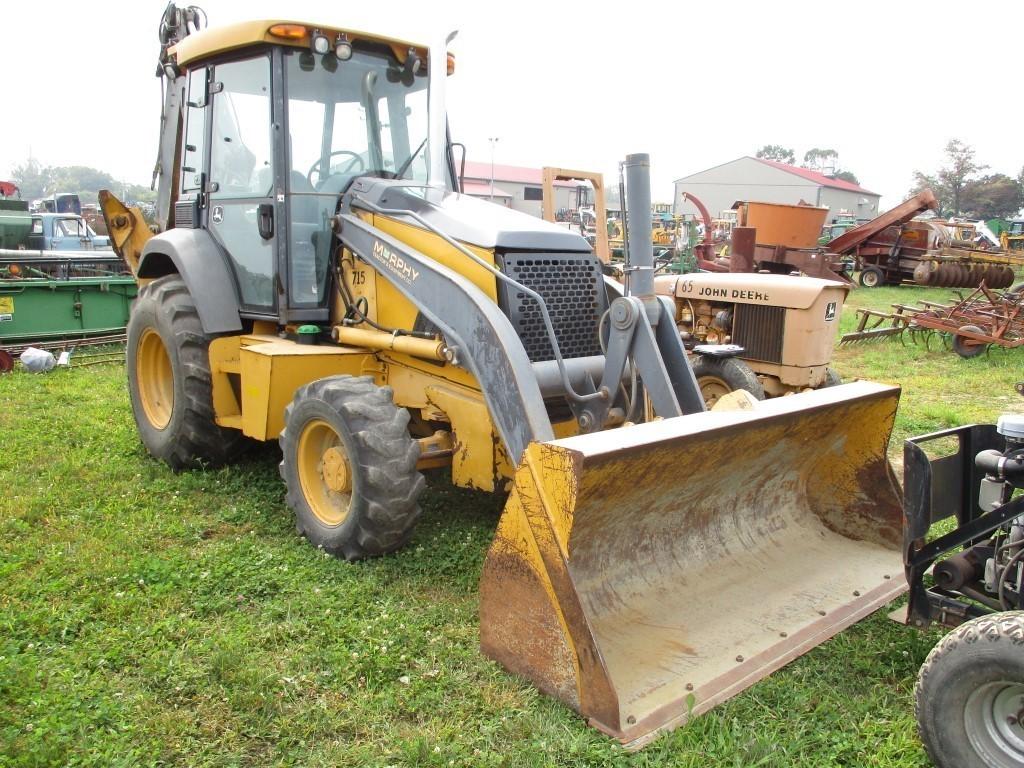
<point>640,251</point>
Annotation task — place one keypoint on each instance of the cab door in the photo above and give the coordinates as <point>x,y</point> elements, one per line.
<point>240,209</point>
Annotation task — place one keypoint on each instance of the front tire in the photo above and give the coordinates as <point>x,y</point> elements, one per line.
<point>718,376</point>
<point>969,697</point>
<point>350,467</point>
<point>169,379</point>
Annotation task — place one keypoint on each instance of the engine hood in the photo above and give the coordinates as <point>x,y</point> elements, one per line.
<point>467,219</point>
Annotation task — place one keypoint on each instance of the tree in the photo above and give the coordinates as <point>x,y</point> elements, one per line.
<point>822,160</point>
<point>35,181</point>
<point>991,197</point>
<point>923,181</point>
<point>846,176</point>
<point>776,152</point>
<point>948,183</point>
<point>961,167</point>
<point>32,178</point>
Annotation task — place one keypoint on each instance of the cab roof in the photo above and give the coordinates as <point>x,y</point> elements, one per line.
<point>216,40</point>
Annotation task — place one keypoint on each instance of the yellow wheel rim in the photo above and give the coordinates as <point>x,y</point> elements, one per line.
<point>712,388</point>
<point>155,379</point>
<point>324,472</point>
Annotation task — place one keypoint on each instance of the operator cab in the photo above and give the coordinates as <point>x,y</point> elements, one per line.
<point>273,138</point>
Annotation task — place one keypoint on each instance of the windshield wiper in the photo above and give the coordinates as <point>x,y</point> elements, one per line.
<point>405,166</point>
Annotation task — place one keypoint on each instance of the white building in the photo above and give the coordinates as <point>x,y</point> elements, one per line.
<point>768,181</point>
<point>519,188</point>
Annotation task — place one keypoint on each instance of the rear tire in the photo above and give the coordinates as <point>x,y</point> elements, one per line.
<point>350,467</point>
<point>969,698</point>
<point>968,348</point>
<point>871,277</point>
<point>169,379</point>
<point>718,376</point>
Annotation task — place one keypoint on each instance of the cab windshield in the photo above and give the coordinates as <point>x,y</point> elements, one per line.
<point>363,117</point>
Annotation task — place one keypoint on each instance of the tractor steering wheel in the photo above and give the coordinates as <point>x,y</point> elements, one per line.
<point>315,168</point>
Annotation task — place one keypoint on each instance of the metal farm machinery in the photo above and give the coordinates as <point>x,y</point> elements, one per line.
<point>970,326</point>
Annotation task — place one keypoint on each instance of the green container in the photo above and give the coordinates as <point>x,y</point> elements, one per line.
<point>37,310</point>
<point>15,222</point>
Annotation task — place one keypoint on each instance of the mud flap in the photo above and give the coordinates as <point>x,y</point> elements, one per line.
<point>643,575</point>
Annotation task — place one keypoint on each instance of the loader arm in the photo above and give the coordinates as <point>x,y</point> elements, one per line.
<point>490,348</point>
<point>483,338</point>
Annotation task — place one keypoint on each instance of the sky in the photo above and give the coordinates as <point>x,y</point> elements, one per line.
<point>580,85</point>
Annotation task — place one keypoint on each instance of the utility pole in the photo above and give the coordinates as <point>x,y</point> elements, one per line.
<point>494,141</point>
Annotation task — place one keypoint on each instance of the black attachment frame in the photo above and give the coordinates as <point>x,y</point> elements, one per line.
<point>937,489</point>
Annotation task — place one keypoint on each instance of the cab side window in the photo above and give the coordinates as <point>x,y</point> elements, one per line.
<point>192,154</point>
<point>241,147</point>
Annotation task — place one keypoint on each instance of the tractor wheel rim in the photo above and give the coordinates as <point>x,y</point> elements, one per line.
<point>155,378</point>
<point>325,472</point>
<point>712,388</point>
<point>870,279</point>
<point>993,719</point>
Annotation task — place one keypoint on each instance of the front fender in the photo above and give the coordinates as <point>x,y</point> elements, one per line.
<point>202,264</point>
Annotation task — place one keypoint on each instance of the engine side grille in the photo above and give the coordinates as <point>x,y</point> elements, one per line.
<point>758,329</point>
<point>573,291</point>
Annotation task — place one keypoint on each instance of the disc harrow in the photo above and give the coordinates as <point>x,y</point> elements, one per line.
<point>952,274</point>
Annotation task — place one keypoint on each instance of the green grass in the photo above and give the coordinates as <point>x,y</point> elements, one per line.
<point>940,389</point>
<point>148,618</point>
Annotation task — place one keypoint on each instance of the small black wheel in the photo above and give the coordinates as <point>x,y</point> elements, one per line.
<point>871,277</point>
<point>969,697</point>
<point>718,376</point>
<point>965,347</point>
<point>350,467</point>
<point>169,379</point>
<point>832,378</point>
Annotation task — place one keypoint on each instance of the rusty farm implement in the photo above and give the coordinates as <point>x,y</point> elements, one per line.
<point>969,326</point>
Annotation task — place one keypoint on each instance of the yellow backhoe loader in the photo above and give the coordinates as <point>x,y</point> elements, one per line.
<point>316,278</point>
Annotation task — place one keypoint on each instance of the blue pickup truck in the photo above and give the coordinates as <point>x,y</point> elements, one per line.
<point>63,232</point>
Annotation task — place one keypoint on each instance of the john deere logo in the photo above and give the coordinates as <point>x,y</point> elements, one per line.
<point>830,311</point>
<point>394,262</point>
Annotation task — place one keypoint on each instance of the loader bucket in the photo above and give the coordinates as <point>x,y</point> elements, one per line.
<point>642,575</point>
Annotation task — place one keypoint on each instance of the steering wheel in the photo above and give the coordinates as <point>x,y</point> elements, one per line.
<point>315,168</point>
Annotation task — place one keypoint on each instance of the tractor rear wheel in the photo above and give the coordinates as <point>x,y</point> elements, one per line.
<point>169,379</point>
<point>969,697</point>
<point>718,376</point>
<point>350,467</point>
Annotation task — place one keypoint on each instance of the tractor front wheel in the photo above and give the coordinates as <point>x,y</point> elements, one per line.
<point>350,467</point>
<point>718,376</point>
<point>169,379</point>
